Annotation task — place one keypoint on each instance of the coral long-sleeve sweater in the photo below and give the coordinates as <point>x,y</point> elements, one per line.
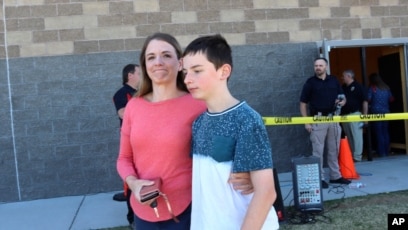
<point>155,142</point>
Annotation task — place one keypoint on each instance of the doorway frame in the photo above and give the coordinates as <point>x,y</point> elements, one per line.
<point>325,47</point>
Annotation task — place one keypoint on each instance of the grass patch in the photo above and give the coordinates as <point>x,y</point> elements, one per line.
<point>360,212</point>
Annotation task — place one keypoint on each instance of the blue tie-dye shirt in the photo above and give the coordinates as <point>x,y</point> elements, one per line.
<point>237,134</point>
<point>379,100</point>
<point>234,140</point>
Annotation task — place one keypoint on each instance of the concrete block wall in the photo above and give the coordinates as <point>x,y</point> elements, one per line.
<point>65,127</point>
<point>66,131</point>
<point>61,27</point>
<point>8,184</point>
<point>60,64</point>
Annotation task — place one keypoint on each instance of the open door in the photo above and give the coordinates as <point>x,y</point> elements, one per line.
<point>388,58</point>
<point>389,68</point>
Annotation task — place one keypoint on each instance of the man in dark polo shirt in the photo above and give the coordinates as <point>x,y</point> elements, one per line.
<point>130,82</point>
<point>357,103</point>
<point>323,93</point>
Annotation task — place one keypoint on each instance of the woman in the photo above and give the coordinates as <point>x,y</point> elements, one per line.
<point>156,134</point>
<point>379,96</point>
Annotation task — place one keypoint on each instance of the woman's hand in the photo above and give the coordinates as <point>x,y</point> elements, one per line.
<point>136,185</point>
<point>241,181</point>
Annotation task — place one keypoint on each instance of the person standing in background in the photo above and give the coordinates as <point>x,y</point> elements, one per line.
<point>130,82</point>
<point>357,104</point>
<point>379,98</point>
<point>323,93</point>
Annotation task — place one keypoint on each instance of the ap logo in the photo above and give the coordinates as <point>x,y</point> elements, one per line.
<point>397,221</point>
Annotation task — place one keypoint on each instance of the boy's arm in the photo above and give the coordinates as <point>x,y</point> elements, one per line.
<point>262,201</point>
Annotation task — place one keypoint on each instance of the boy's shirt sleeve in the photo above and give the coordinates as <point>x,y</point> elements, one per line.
<point>253,149</point>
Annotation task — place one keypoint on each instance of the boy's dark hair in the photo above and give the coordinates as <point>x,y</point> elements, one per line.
<point>130,68</point>
<point>215,47</point>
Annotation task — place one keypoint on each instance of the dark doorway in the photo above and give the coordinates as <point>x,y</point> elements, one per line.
<point>390,70</point>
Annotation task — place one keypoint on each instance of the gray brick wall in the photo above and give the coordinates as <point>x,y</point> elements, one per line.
<point>67,132</point>
<point>8,185</point>
<point>65,58</point>
<point>269,78</point>
<point>48,28</point>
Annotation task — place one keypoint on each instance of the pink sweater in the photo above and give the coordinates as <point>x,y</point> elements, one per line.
<point>155,142</point>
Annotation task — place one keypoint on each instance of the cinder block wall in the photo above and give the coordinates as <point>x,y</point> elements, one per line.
<point>60,27</point>
<point>60,64</point>
<point>66,131</point>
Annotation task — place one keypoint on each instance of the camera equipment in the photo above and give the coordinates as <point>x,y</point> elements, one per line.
<point>340,97</point>
<point>307,187</point>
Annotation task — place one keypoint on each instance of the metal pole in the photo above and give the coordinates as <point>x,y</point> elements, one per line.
<point>365,84</point>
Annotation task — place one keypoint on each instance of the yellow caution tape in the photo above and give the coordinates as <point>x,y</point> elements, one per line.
<point>331,119</point>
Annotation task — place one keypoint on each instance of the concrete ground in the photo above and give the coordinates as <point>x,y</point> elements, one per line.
<point>98,211</point>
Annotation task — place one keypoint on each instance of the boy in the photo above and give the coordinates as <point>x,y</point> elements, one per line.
<point>229,137</point>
